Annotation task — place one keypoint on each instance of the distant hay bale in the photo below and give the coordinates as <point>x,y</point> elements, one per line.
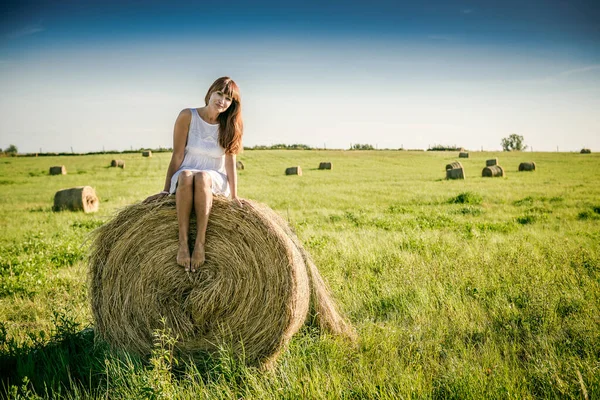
<point>585,151</point>
<point>58,170</point>
<point>293,171</point>
<point>255,290</point>
<point>463,154</point>
<point>527,166</point>
<point>325,165</point>
<point>456,173</point>
<point>80,198</point>
<point>455,170</point>
<point>239,165</point>
<point>147,153</point>
<point>493,171</point>
<point>490,162</point>
<point>117,163</point>
<point>454,165</point>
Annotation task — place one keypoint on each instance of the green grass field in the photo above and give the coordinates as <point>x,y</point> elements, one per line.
<point>482,288</point>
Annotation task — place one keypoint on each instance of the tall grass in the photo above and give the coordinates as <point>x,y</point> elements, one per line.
<point>482,288</point>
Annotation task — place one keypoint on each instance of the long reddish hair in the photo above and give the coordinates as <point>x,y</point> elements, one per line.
<point>231,126</point>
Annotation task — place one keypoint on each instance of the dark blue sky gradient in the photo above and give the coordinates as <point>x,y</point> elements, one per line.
<point>528,24</point>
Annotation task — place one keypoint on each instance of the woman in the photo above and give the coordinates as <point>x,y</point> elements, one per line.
<point>205,143</point>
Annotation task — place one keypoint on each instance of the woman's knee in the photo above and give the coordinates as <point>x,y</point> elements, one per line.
<point>185,178</point>
<point>202,180</point>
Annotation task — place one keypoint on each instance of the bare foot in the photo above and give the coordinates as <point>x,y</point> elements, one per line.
<point>183,256</point>
<point>198,256</point>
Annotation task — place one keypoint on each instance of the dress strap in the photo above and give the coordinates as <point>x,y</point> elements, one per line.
<point>195,118</point>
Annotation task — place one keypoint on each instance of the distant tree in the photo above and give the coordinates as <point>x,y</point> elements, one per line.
<point>362,147</point>
<point>12,149</point>
<point>513,142</point>
<point>439,147</point>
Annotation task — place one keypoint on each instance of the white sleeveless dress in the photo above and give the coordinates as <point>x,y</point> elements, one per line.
<point>203,153</point>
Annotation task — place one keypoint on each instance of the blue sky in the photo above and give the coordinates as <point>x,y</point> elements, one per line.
<point>114,75</point>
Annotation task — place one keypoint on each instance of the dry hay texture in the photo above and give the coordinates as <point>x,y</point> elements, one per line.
<point>117,163</point>
<point>58,170</point>
<point>325,165</point>
<point>255,290</point>
<point>239,165</point>
<point>80,198</point>
<point>586,151</point>
<point>147,153</point>
<point>463,154</point>
<point>490,162</point>
<point>527,166</point>
<point>493,171</point>
<point>293,171</point>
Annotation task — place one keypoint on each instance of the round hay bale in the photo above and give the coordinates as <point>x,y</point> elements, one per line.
<point>325,165</point>
<point>293,171</point>
<point>585,151</point>
<point>463,154</point>
<point>490,162</point>
<point>454,165</point>
<point>527,166</point>
<point>117,163</point>
<point>80,198</point>
<point>493,171</point>
<point>239,165</point>
<point>251,295</point>
<point>455,173</point>
<point>58,170</point>
<point>147,153</point>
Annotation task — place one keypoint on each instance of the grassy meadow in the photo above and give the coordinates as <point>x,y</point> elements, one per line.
<point>479,288</point>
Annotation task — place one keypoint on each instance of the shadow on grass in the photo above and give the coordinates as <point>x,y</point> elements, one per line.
<point>41,209</point>
<point>70,359</point>
<point>75,362</point>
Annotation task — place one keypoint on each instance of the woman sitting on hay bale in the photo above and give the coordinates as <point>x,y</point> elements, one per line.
<point>205,143</point>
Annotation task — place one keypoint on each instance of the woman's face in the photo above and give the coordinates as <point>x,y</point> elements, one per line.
<point>220,101</point>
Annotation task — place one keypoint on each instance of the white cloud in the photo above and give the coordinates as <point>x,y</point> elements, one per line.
<point>25,31</point>
<point>579,70</point>
<point>446,38</point>
<point>557,77</point>
<point>467,10</point>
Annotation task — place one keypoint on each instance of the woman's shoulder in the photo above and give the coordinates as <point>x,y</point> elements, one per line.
<point>185,115</point>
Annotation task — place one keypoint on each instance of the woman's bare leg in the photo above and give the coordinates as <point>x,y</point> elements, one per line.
<point>184,202</point>
<point>202,206</point>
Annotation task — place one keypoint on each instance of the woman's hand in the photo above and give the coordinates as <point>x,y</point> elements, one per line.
<point>237,201</point>
<point>155,197</point>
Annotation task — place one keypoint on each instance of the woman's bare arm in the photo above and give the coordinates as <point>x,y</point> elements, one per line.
<point>180,132</point>
<point>232,176</point>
